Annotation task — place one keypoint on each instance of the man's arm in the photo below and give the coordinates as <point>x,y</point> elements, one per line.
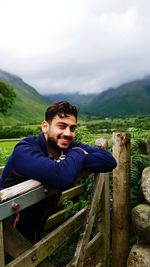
<point>31,163</point>
<point>97,159</point>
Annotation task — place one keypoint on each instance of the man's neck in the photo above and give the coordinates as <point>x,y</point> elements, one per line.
<point>53,153</point>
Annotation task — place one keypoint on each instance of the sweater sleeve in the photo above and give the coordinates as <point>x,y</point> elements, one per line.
<point>97,159</point>
<point>31,163</point>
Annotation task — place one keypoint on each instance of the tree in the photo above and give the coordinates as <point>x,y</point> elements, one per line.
<point>7,97</point>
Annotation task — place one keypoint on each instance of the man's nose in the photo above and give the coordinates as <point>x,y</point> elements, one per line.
<point>67,131</point>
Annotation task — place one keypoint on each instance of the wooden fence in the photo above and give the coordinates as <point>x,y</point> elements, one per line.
<point>20,196</point>
<point>23,195</point>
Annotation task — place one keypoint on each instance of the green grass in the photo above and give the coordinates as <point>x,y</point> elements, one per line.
<point>8,143</point>
<point>6,148</point>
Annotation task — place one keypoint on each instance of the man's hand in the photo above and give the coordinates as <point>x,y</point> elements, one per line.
<point>103,143</point>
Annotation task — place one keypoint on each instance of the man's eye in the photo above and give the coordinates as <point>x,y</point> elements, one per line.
<point>72,129</point>
<point>61,126</point>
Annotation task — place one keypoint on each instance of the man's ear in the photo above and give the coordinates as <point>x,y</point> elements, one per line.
<point>45,127</point>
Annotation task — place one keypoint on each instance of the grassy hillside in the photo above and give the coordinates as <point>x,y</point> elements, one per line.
<point>128,100</point>
<point>131,99</point>
<point>29,106</point>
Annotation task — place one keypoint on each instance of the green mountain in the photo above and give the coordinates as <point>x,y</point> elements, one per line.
<point>74,98</point>
<point>29,105</point>
<point>130,99</point>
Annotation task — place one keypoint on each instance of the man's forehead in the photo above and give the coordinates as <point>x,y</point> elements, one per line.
<point>69,119</point>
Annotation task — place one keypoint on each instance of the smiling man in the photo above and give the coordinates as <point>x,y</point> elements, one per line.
<point>59,130</point>
<point>54,159</point>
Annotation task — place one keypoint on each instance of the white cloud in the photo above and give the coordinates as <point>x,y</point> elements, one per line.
<point>75,45</point>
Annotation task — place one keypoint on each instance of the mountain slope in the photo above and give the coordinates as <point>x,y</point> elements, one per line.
<point>29,105</point>
<point>130,99</point>
<point>74,98</point>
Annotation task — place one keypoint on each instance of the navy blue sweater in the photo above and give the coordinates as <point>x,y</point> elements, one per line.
<point>30,160</point>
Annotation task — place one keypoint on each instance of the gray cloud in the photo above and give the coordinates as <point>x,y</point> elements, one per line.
<point>75,45</point>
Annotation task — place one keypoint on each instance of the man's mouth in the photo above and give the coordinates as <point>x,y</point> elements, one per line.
<point>65,141</point>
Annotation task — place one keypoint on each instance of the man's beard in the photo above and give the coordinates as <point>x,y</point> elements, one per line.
<point>53,144</point>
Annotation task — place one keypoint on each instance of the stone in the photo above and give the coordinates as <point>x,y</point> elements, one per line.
<point>141,221</point>
<point>139,255</point>
<point>145,185</point>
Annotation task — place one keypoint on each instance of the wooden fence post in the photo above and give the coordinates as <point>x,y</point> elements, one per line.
<point>121,191</point>
<point>103,253</point>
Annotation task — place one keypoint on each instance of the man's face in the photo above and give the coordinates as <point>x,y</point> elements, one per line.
<point>61,132</point>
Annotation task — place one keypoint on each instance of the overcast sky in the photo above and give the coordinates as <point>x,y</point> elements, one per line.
<point>75,45</point>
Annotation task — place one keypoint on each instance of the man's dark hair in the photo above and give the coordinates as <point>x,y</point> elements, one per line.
<point>62,109</point>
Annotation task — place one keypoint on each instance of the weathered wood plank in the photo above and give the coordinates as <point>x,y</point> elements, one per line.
<point>121,193</point>
<point>15,244</point>
<point>58,217</point>
<point>2,258</point>
<point>103,216</point>
<point>18,189</point>
<point>55,219</point>
<point>30,197</point>
<point>46,246</point>
<point>31,184</point>
<point>80,252</point>
<point>104,250</point>
<point>18,203</point>
<point>106,224</point>
<point>92,246</point>
<point>73,192</point>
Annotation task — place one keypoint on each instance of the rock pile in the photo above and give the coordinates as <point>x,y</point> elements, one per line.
<point>139,255</point>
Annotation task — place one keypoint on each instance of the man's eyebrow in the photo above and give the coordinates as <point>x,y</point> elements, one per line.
<point>64,123</point>
<point>60,122</point>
